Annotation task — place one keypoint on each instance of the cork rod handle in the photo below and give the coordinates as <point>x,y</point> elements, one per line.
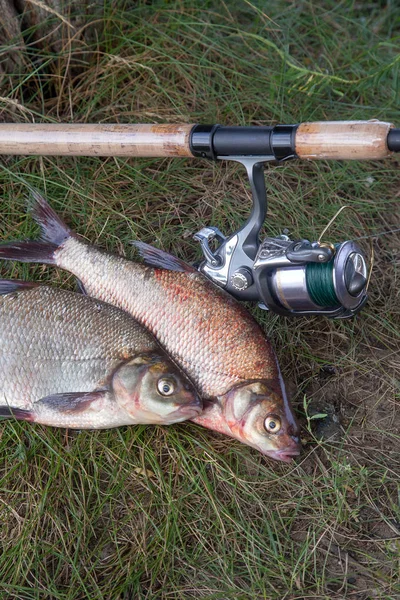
<point>343,140</point>
<point>66,139</point>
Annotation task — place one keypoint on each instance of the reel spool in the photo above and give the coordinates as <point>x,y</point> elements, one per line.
<point>335,287</point>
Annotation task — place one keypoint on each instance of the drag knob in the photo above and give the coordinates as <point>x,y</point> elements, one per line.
<point>241,279</point>
<point>355,274</point>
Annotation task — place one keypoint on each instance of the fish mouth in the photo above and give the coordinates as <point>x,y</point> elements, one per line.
<point>284,455</point>
<point>190,410</point>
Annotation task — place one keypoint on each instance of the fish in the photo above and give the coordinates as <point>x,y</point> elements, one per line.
<point>67,360</point>
<point>209,335</point>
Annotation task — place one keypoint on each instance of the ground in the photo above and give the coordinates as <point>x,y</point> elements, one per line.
<point>180,512</point>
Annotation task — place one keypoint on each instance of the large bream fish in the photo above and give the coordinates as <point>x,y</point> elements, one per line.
<point>71,361</point>
<point>206,332</point>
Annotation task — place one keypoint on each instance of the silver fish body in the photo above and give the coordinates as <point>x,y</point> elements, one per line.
<point>70,361</point>
<point>206,332</point>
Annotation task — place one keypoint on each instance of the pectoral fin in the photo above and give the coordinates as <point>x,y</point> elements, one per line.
<point>70,403</point>
<point>80,288</point>
<point>61,410</point>
<point>85,410</point>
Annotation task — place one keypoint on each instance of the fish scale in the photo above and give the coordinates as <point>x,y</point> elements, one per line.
<point>27,340</point>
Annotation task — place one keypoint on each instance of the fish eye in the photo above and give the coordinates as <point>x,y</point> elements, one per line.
<point>272,424</point>
<point>165,386</point>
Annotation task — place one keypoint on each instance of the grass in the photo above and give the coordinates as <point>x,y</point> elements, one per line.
<point>179,512</point>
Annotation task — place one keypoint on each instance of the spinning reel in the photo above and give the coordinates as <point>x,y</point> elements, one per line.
<point>288,277</point>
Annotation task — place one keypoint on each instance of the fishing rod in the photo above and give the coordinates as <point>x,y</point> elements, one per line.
<point>288,277</point>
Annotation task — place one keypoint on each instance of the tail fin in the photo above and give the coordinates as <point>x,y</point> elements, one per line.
<point>31,252</point>
<point>53,228</point>
<point>7,412</point>
<point>54,233</point>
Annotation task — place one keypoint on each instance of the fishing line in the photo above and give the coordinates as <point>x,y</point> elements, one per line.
<point>319,280</point>
<point>366,237</point>
<point>320,276</point>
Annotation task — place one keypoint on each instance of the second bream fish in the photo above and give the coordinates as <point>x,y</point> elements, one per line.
<point>205,331</point>
<point>67,360</point>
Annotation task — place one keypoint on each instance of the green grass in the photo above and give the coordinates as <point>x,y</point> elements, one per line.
<point>179,512</point>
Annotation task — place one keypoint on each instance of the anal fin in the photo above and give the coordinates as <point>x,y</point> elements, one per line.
<point>80,288</point>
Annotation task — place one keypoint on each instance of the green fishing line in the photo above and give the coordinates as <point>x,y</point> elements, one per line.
<point>319,280</point>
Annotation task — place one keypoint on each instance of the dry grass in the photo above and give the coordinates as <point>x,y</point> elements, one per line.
<point>152,513</point>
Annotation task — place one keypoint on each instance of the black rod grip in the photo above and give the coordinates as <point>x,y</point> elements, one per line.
<point>212,141</point>
<point>393,140</point>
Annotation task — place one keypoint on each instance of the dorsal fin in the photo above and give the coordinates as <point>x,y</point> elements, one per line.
<point>161,259</point>
<point>7,286</point>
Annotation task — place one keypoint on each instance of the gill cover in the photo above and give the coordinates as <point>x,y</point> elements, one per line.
<point>150,389</point>
<point>259,414</point>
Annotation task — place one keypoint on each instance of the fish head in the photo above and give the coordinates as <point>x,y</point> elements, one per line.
<point>152,390</point>
<point>259,415</point>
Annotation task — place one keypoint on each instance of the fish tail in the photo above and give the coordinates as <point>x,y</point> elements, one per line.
<point>30,252</point>
<point>54,233</point>
<point>54,230</point>
<point>8,412</point>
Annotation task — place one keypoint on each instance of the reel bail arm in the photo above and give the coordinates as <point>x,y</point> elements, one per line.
<point>231,264</point>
